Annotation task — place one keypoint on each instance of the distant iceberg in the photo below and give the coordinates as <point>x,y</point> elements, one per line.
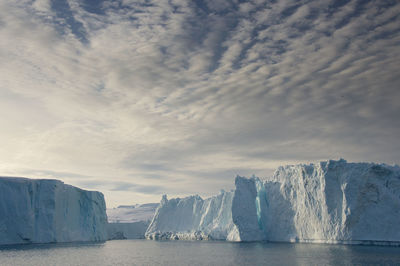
<point>130,221</point>
<point>327,202</point>
<point>132,213</point>
<point>48,211</point>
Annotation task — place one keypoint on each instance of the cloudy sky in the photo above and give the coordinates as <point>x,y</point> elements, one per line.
<point>138,98</point>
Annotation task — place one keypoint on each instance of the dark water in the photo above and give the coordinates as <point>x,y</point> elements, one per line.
<point>146,252</point>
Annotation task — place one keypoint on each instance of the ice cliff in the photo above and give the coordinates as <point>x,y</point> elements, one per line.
<point>45,211</point>
<point>331,201</point>
<point>194,218</point>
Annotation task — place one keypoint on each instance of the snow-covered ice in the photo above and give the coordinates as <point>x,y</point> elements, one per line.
<point>132,213</point>
<point>194,218</point>
<point>131,221</point>
<point>331,201</point>
<point>45,211</point>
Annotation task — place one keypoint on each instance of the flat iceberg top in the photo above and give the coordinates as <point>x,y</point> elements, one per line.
<point>132,213</point>
<point>341,166</point>
<point>17,179</point>
<point>25,180</point>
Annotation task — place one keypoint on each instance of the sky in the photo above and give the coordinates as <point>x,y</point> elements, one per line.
<point>139,98</point>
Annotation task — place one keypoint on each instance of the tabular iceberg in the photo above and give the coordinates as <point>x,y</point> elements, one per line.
<point>46,211</point>
<point>129,222</point>
<point>332,202</point>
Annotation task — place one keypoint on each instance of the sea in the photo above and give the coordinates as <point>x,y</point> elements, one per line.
<point>147,252</point>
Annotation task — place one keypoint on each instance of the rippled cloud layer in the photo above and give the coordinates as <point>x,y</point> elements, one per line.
<point>140,98</point>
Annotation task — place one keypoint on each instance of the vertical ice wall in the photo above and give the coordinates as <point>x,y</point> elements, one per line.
<point>246,209</point>
<point>44,211</point>
<point>334,201</point>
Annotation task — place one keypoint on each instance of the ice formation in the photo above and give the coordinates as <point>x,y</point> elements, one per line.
<point>132,213</point>
<point>45,211</point>
<point>194,218</point>
<point>129,222</point>
<point>331,201</point>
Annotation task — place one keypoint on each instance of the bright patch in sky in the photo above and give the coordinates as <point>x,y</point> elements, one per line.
<point>141,98</point>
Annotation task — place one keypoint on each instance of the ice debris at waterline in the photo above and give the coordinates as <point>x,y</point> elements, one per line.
<point>45,211</point>
<point>331,202</point>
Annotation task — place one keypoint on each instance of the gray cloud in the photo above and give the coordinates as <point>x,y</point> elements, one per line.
<point>125,186</point>
<point>121,186</point>
<point>53,174</point>
<point>185,93</point>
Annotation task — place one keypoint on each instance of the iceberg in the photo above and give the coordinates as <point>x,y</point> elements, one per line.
<point>334,201</point>
<point>327,202</point>
<point>194,218</point>
<point>48,211</point>
<point>132,213</point>
<point>129,221</point>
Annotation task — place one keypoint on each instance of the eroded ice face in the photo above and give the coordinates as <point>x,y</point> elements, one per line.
<point>43,211</point>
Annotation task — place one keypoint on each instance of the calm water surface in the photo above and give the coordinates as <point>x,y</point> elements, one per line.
<point>146,252</point>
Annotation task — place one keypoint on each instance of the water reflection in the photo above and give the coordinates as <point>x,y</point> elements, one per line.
<point>144,252</point>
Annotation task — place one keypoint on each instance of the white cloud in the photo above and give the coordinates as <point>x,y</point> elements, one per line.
<point>165,92</point>
<point>42,5</point>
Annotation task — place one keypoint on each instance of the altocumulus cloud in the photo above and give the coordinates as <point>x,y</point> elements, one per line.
<point>140,98</point>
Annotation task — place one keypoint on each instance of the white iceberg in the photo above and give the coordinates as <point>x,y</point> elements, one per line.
<point>331,202</point>
<point>47,211</point>
<point>132,213</point>
<point>334,201</point>
<point>194,218</point>
<point>129,222</point>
